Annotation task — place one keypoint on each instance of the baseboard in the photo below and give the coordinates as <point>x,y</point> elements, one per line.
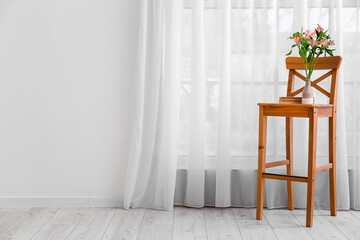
<point>29,202</point>
<point>106,202</point>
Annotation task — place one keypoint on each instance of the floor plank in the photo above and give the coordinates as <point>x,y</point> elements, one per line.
<point>156,225</point>
<point>221,224</point>
<point>189,224</point>
<point>346,222</point>
<point>93,224</point>
<point>285,225</point>
<point>322,228</point>
<point>251,228</point>
<point>125,224</point>
<point>182,223</point>
<point>61,225</point>
<point>9,217</point>
<point>356,213</point>
<point>29,224</point>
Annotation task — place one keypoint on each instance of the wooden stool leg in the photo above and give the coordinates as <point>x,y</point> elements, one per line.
<point>289,156</point>
<point>311,169</point>
<point>332,159</point>
<point>261,163</point>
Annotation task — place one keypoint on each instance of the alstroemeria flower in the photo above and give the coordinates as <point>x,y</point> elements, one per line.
<point>324,42</point>
<point>313,42</point>
<point>332,43</point>
<point>319,28</point>
<point>297,39</point>
<point>309,34</point>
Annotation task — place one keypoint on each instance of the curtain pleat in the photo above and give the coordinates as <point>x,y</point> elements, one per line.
<point>223,183</point>
<point>151,172</point>
<point>194,195</point>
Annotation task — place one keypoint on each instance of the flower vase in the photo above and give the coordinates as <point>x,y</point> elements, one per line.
<point>308,93</point>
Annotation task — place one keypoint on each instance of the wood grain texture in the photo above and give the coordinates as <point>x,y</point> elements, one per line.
<point>289,135</point>
<point>182,223</point>
<point>261,163</point>
<point>125,224</point>
<point>251,228</point>
<point>322,228</point>
<point>29,224</point>
<point>61,225</point>
<point>93,224</point>
<point>346,222</point>
<point>276,164</point>
<point>9,217</point>
<point>221,224</point>
<point>285,225</point>
<point>322,63</point>
<point>189,224</point>
<point>156,225</point>
<point>313,120</point>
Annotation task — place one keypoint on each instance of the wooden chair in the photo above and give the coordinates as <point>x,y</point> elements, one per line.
<point>313,112</point>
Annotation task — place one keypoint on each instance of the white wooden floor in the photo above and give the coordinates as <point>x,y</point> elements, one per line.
<point>182,223</point>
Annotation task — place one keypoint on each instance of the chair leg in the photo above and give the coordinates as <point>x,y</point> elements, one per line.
<point>311,169</point>
<point>289,156</point>
<point>332,159</point>
<point>261,163</point>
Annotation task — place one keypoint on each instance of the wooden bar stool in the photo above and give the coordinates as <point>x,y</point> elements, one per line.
<point>313,112</point>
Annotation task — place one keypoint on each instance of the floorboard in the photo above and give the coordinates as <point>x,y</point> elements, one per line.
<point>221,224</point>
<point>346,222</point>
<point>61,225</point>
<point>125,224</point>
<point>285,225</point>
<point>156,225</point>
<point>189,224</point>
<point>29,224</point>
<point>9,217</point>
<point>251,228</point>
<point>93,224</point>
<point>181,224</point>
<point>322,228</point>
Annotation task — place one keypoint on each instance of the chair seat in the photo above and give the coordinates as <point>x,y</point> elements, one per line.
<point>296,109</point>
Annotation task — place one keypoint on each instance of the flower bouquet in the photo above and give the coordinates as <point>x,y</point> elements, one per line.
<point>311,45</point>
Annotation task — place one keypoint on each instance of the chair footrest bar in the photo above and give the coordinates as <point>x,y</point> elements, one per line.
<point>277,163</point>
<point>285,177</point>
<point>324,167</point>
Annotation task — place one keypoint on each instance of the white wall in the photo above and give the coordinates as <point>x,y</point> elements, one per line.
<point>67,69</point>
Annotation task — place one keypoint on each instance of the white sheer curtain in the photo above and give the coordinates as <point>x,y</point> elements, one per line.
<point>203,66</point>
<point>150,180</point>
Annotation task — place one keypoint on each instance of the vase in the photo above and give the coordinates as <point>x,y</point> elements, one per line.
<point>308,93</point>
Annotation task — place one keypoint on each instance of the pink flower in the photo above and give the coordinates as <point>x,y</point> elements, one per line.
<point>319,28</point>
<point>313,42</point>
<point>332,43</point>
<point>309,34</point>
<point>324,42</point>
<point>297,39</point>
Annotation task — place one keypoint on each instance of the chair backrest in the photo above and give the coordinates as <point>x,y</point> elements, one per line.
<point>323,63</point>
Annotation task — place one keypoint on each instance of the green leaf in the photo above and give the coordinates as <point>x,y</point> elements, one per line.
<point>289,53</point>
<point>309,57</point>
<point>329,51</point>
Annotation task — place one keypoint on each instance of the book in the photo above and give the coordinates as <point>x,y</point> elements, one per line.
<point>290,100</point>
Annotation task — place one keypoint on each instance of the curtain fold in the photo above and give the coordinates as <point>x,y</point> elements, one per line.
<point>223,170</point>
<point>151,173</point>
<point>203,67</point>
